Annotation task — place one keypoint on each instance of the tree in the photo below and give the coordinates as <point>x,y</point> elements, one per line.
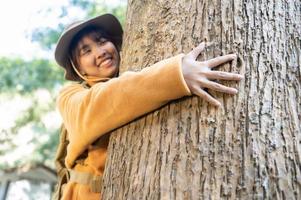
<point>248,149</point>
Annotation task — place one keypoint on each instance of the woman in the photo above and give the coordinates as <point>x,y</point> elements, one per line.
<point>101,101</point>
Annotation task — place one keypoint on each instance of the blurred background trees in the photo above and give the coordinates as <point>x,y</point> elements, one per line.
<point>30,86</point>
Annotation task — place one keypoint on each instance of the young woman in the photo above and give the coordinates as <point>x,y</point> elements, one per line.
<point>101,100</point>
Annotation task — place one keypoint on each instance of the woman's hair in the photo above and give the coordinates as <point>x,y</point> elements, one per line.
<point>96,34</point>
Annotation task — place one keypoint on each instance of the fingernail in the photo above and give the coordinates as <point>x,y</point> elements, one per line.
<point>234,91</point>
<point>240,76</point>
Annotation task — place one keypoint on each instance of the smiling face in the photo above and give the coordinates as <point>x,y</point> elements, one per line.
<point>96,56</point>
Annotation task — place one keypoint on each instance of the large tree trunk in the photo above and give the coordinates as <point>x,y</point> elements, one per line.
<point>248,149</point>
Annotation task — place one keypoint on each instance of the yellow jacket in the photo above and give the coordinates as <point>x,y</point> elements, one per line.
<point>89,113</point>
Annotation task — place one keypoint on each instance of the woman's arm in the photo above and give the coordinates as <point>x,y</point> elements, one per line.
<point>90,113</point>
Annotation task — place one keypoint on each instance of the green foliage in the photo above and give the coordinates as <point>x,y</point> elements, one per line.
<point>43,140</point>
<point>45,151</point>
<point>23,77</point>
<point>47,37</point>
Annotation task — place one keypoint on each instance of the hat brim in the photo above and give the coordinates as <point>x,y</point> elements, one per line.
<point>109,23</point>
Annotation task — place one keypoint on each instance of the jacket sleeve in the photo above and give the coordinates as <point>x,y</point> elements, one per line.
<point>90,113</point>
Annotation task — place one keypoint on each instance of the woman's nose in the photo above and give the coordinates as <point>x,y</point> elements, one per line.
<point>100,52</point>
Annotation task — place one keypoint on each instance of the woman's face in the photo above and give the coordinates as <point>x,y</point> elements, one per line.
<point>97,57</point>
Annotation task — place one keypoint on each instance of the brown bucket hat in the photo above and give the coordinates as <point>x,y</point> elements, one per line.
<point>107,22</point>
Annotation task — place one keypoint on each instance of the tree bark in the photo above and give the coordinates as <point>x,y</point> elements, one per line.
<point>248,149</point>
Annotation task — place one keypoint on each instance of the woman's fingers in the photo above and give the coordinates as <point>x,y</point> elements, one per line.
<point>223,76</point>
<point>198,74</point>
<point>201,93</point>
<point>197,50</point>
<point>218,87</point>
<point>214,62</point>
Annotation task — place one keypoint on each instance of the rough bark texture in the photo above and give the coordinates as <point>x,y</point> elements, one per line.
<point>248,149</point>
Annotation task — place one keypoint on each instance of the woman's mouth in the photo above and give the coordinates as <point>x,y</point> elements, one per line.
<point>106,63</point>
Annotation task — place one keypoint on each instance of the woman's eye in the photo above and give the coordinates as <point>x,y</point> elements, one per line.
<point>86,51</point>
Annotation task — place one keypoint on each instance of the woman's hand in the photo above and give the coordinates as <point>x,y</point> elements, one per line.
<point>198,75</point>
